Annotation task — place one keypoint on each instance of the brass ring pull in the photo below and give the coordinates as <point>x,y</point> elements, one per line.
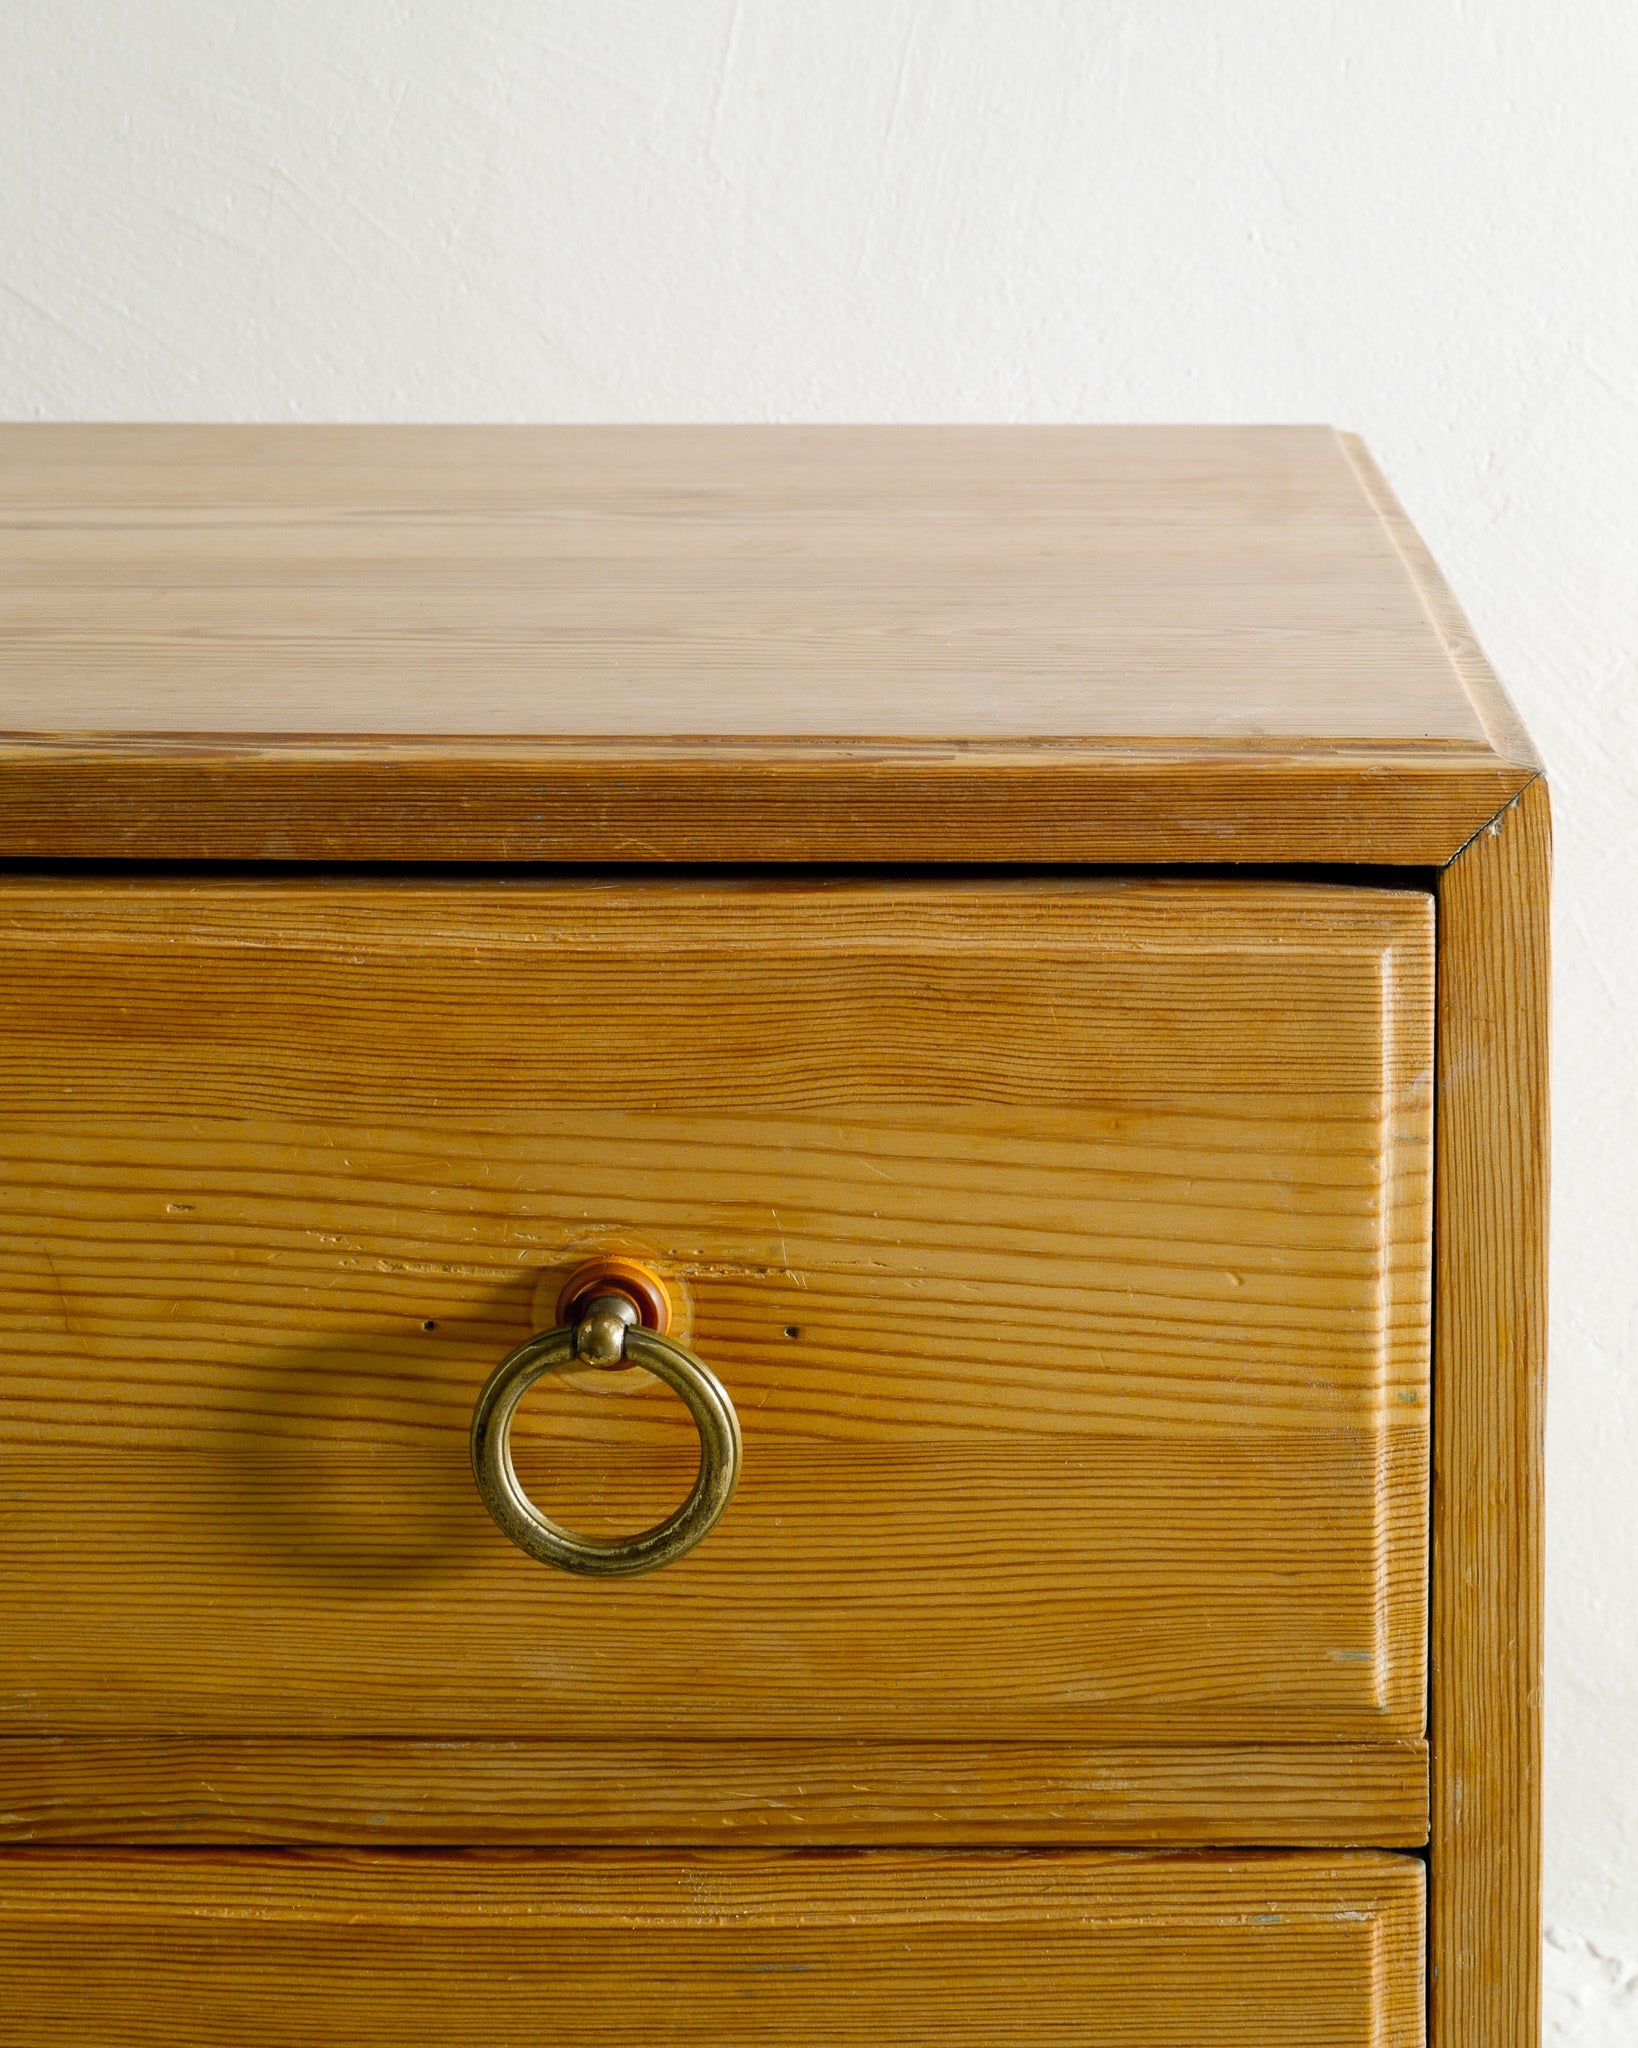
<point>605,1335</point>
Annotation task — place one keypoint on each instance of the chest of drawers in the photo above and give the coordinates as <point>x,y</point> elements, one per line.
<point>1007,966</point>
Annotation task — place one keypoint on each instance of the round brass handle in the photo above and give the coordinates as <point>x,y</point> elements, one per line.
<point>604,1336</point>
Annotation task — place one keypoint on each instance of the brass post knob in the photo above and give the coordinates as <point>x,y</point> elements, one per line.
<point>606,1333</point>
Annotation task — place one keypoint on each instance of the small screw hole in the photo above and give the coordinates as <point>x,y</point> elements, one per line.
<point>791,1330</point>
<point>429,1325</point>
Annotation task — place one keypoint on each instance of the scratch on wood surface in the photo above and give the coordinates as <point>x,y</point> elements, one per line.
<point>62,1296</point>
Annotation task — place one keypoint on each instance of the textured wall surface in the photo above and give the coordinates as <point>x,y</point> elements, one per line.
<point>1412,217</point>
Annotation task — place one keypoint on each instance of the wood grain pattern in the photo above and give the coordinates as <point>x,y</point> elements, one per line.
<point>480,1950</point>
<point>888,583</point>
<point>656,1793</point>
<point>1133,1597</point>
<point>1487,1528</point>
<point>1064,1245</point>
<point>663,644</point>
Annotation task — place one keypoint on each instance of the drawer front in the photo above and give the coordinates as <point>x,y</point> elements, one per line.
<point>1063,1245</point>
<point>477,1950</point>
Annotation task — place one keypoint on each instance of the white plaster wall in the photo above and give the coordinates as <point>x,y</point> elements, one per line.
<point>1412,217</point>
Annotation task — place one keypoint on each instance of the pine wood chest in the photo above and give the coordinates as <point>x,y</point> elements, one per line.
<point>771,1244</point>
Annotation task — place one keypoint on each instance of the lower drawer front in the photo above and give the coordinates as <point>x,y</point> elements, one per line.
<point>476,1950</point>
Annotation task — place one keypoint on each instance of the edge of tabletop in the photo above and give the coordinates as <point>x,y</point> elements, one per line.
<point>153,796</point>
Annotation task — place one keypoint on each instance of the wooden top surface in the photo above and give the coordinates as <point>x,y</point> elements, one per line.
<point>809,611</point>
<point>677,582</point>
